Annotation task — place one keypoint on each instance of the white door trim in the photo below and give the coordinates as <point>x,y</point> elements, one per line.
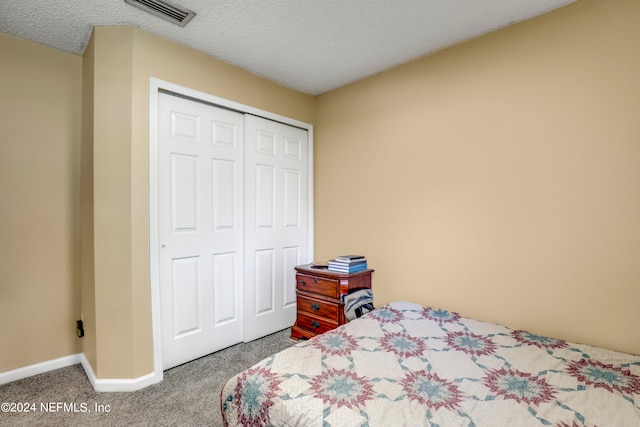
<point>155,86</point>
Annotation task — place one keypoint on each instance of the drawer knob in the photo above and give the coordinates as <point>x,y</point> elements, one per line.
<point>315,307</point>
<point>302,283</point>
<point>315,324</point>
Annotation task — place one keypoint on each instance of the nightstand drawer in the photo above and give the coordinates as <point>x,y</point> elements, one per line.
<point>317,285</point>
<point>314,324</point>
<point>318,307</point>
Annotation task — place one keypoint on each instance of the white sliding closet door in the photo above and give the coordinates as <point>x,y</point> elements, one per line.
<point>200,222</point>
<point>233,209</point>
<point>276,223</point>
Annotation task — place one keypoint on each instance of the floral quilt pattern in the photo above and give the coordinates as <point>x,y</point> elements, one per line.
<point>406,365</point>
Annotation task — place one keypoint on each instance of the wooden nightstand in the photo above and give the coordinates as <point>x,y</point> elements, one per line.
<point>320,295</point>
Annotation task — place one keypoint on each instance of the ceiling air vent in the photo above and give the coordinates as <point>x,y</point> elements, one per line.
<point>164,10</point>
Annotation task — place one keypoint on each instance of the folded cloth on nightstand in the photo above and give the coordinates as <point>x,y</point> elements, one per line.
<point>357,303</point>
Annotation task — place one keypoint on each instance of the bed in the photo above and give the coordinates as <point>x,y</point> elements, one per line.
<point>406,365</point>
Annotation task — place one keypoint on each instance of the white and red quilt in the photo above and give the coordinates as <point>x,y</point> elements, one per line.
<point>406,365</point>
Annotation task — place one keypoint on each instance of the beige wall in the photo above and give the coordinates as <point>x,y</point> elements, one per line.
<point>499,178</point>
<point>87,268</point>
<point>156,57</point>
<point>40,92</point>
<point>124,58</point>
<point>93,230</point>
<point>114,302</point>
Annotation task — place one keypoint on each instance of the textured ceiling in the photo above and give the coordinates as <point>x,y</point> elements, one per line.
<point>309,45</point>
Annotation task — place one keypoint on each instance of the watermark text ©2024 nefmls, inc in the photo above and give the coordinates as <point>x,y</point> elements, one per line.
<point>69,407</point>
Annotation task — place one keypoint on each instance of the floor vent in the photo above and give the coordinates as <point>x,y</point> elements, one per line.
<point>164,10</point>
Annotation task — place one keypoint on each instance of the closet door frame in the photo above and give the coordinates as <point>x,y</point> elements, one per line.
<point>155,87</point>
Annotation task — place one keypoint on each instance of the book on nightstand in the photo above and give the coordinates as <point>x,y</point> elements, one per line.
<point>350,258</point>
<point>348,264</point>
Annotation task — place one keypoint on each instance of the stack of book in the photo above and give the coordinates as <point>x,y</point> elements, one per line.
<point>348,264</point>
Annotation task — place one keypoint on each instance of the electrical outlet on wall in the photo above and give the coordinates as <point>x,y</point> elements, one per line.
<point>79,328</point>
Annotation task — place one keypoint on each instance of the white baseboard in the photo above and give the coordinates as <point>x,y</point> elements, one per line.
<point>99,384</point>
<point>118,385</point>
<point>39,368</point>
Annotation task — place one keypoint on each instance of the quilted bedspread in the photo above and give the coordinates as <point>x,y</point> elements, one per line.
<point>406,365</point>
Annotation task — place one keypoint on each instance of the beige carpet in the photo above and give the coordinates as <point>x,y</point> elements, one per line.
<point>189,395</point>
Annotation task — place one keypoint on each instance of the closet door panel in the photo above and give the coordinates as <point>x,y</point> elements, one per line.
<point>232,225</point>
<point>276,174</point>
<point>199,228</point>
